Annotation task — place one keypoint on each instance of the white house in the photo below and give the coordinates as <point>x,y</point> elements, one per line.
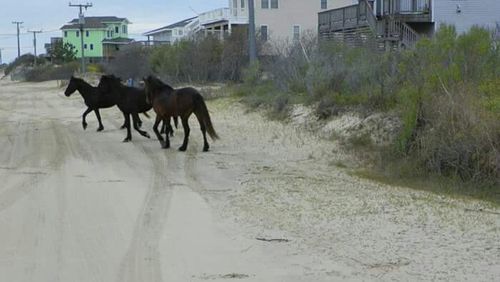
<point>288,20</point>
<point>174,32</point>
<point>275,20</point>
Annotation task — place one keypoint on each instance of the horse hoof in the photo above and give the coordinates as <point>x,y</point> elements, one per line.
<point>205,149</point>
<point>165,146</point>
<point>84,125</point>
<point>100,129</point>
<point>146,135</point>
<point>127,140</point>
<point>182,149</point>
<point>123,127</point>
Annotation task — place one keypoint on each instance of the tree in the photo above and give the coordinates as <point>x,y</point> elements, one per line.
<point>62,53</point>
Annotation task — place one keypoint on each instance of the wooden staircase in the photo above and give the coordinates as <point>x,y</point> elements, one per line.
<point>357,26</point>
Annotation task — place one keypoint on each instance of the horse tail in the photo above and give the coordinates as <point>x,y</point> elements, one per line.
<point>202,110</point>
<point>146,114</point>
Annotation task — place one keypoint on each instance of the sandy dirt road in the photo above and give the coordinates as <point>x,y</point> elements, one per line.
<point>80,205</point>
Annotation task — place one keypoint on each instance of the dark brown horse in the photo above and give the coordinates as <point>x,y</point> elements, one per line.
<point>169,102</point>
<point>130,100</point>
<point>93,98</point>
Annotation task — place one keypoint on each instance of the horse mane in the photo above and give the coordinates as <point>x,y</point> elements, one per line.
<point>81,80</point>
<point>158,84</point>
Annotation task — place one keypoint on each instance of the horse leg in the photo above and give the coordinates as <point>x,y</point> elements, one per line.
<point>185,125</point>
<point>170,128</point>
<point>139,121</point>
<point>158,134</point>
<point>127,125</point>
<point>98,115</point>
<point>165,125</point>
<point>203,131</point>
<point>135,116</point>
<point>162,127</point>
<point>84,122</point>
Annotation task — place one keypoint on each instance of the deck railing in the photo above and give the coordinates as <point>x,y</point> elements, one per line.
<point>224,14</point>
<point>403,33</point>
<point>406,7</point>
<point>344,18</point>
<point>214,16</point>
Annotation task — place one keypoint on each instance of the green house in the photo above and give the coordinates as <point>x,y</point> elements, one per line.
<point>102,36</point>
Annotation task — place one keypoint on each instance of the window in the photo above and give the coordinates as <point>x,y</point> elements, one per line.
<point>87,33</point>
<point>65,34</point>
<point>84,46</point>
<point>235,4</point>
<point>107,34</point>
<point>77,33</point>
<point>112,33</point>
<point>117,30</point>
<point>124,29</point>
<point>242,4</point>
<point>274,4</point>
<point>324,4</point>
<point>181,32</point>
<point>91,46</point>
<point>264,4</point>
<point>263,32</point>
<point>296,32</point>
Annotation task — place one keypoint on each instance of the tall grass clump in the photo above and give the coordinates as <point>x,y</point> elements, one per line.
<point>202,59</point>
<point>450,106</point>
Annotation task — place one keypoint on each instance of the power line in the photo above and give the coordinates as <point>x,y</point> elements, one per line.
<point>18,44</point>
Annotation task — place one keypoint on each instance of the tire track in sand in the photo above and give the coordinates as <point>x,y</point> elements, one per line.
<point>142,260</point>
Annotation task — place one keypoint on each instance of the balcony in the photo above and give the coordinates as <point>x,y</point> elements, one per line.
<point>408,10</point>
<point>407,6</point>
<point>349,17</point>
<point>236,16</point>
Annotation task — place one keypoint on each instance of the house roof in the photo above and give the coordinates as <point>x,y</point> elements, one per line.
<point>94,22</point>
<point>118,40</point>
<point>182,23</point>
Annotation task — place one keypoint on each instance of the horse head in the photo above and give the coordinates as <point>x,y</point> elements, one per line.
<point>72,86</point>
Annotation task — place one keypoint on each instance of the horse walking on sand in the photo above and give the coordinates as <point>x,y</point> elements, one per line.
<point>130,100</point>
<point>168,102</point>
<point>94,99</point>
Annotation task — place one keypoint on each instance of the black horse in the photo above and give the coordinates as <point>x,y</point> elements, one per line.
<point>169,102</point>
<point>130,101</point>
<point>93,98</point>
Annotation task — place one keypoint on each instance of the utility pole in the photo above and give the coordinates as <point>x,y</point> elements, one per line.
<point>18,45</point>
<point>252,51</point>
<point>34,41</point>
<point>81,21</point>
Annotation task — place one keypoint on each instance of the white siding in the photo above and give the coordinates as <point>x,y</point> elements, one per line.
<point>303,13</point>
<point>163,36</point>
<point>473,12</point>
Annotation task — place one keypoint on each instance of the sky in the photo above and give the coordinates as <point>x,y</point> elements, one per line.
<point>50,15</point>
